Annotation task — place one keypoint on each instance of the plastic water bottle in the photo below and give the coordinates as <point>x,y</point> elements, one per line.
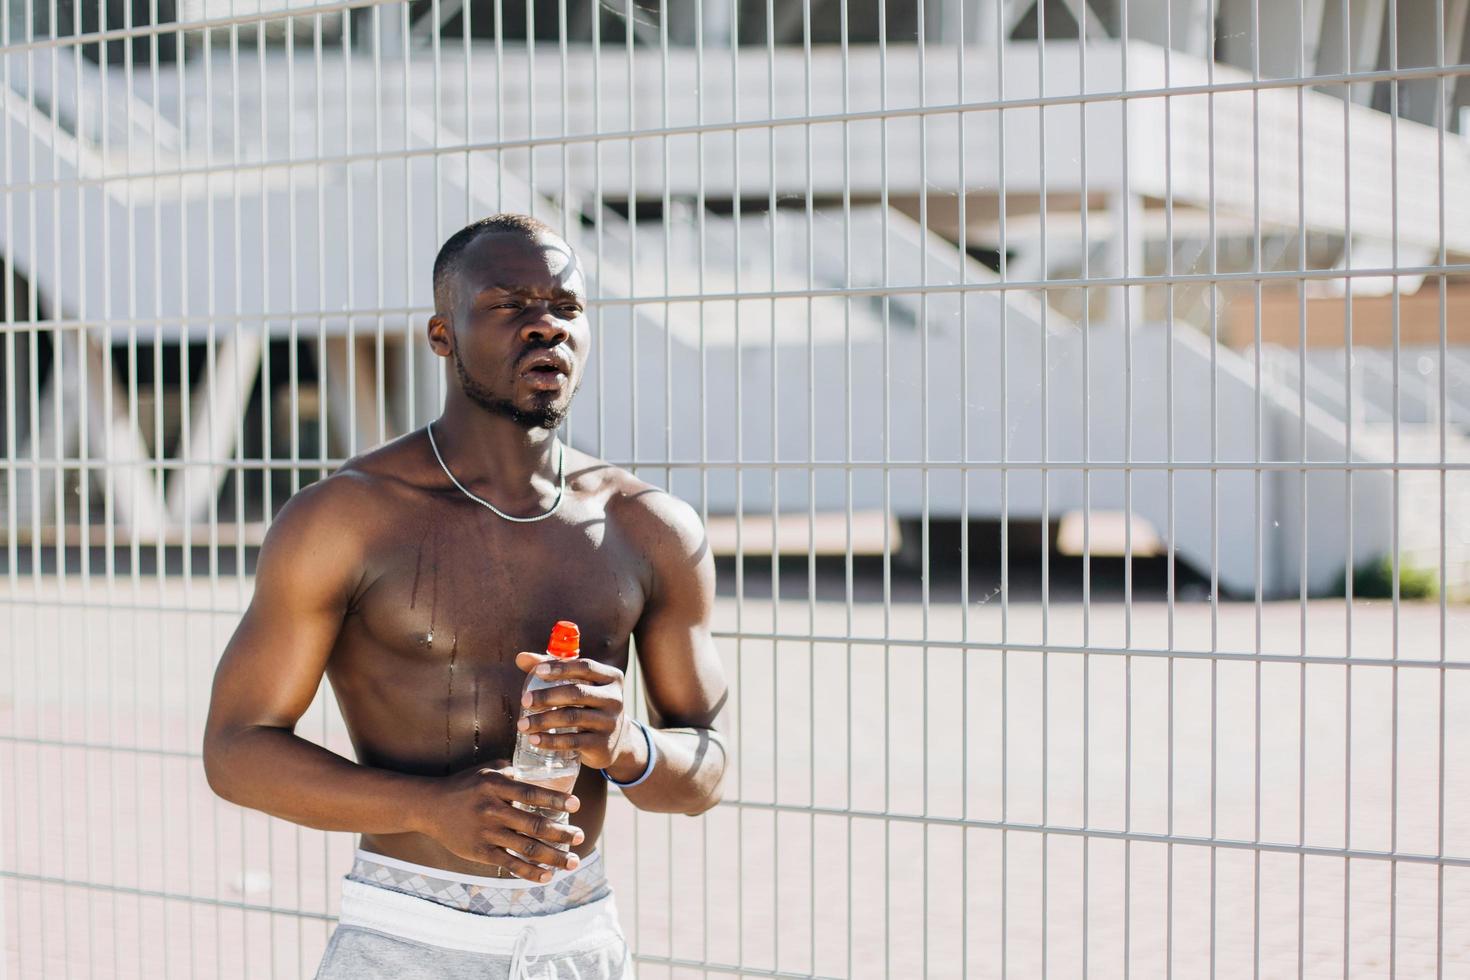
<point>555,769</point>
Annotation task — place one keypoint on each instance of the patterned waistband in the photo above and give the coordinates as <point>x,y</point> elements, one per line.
<point>484,896</point>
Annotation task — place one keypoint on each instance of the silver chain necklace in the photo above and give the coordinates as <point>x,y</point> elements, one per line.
<point>561,476</point>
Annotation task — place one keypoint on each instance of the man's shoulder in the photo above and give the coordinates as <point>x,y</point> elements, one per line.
<point>648,514</point>
<point>326,534</point>
<point>667,535</point>
<point>361,493</point>
<point>400,464</point>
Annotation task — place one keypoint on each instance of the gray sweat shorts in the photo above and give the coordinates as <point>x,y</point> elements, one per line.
<point>386,933</point>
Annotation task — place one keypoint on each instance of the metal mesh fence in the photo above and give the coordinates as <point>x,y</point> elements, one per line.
<point>1077,395</point>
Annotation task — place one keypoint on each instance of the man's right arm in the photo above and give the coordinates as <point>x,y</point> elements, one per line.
<point>310,567</point>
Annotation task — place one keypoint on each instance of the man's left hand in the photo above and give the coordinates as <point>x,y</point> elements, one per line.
<point>585,706</point>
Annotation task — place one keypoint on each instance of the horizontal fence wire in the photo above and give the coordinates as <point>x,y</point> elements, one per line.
<point>1077,398</point>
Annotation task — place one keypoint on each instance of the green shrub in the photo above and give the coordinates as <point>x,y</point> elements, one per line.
<point>1374,580</point>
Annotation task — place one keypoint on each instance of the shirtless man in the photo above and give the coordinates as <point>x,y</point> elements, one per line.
<point>423,579</point>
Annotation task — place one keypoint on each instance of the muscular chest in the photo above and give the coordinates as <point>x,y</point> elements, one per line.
<point>462,582</point>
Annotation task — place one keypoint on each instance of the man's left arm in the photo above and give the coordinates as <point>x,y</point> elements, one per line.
<point>682,675</point>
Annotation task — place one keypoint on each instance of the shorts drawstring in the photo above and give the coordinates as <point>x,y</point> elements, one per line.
<point>518,969</point>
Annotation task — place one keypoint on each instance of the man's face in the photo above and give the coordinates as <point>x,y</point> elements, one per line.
<point>519,334</point>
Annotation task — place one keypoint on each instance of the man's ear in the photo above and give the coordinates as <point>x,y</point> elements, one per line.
<point>441,339</point>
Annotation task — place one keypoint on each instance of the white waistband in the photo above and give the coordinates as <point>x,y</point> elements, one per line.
<point>588,926</point>
<point>442,875</point>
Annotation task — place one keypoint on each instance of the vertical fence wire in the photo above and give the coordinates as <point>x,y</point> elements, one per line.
<point>1172,721</point>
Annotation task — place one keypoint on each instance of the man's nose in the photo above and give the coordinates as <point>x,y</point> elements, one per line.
<point>543,327</point>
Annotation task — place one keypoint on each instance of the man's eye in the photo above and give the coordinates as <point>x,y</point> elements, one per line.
<point>572,312</point>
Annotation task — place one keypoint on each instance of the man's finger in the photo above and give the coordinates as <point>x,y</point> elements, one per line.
<point>535,851</point>
<point>527,661</point>
<point>514,791</point>
<point>564,695</point>
<point>574,719</point>
<point>569,741</point>
<point>519,867</point>
<point>542,828</point>
<point>579,669</point>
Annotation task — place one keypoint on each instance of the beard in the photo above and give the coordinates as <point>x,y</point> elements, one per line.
<point>548,417</point>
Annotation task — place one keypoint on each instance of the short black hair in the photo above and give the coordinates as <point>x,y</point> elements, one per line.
<point>446,263</point>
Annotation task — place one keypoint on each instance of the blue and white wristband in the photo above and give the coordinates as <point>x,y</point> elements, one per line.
<point>648,769</point>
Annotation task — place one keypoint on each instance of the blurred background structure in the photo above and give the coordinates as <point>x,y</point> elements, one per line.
<point>990,336</point>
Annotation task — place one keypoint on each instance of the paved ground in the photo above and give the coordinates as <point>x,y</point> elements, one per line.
<point>782,877</point>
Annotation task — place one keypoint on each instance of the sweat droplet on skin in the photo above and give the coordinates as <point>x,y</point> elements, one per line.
<point>449,699</point>
<point>418,564</point>
<point>477,718</point>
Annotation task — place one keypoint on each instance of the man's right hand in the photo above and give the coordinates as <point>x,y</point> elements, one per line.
<point>472,814</point>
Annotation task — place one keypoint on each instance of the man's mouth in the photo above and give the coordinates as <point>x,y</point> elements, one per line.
<point>546,360</point>
<point>546,370</point>
<point>542,379</point>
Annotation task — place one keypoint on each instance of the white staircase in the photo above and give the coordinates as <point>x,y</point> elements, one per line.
<point>1425,537</point>
<point>1421,519</point>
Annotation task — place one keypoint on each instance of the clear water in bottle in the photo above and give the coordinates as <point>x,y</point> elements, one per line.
<point>553,769</point>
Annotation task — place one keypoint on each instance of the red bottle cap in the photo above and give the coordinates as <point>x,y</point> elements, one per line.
<point>566,640</point>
